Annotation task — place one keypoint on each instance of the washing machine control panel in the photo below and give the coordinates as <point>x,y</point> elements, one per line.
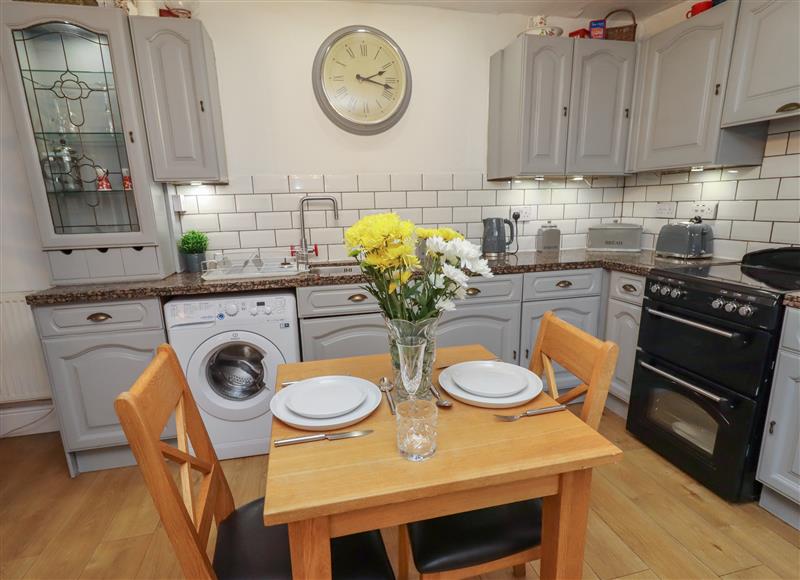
<point>274,307</point>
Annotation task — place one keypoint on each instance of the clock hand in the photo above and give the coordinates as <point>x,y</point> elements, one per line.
<point>369,80</point>
<point>375,75</point>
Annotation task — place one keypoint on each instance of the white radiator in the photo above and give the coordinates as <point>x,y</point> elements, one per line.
<point>23,376</point>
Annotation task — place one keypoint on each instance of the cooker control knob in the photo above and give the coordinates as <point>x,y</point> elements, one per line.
<point>655,288</point>
<point>676,293</point>
<point>745,311</point>
<point>253,310</point>
<point>665,290</point>
<point>717,303</point>
<point>268,310</point>
<point>231,309</point>
<point>731,307</point>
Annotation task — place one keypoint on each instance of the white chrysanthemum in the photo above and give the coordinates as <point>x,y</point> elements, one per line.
<point>455,274</point>
<point>445,304</point>
<point>461,292</point>
<point>436,281</point>
<point>480,267</point>
<point>436,245</point>
<point>466,251</point>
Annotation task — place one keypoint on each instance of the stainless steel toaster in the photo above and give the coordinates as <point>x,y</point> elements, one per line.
<point>691,239</point>
<point>615,237</point>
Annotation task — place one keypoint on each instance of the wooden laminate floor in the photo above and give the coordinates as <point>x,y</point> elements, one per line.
<point>648,520</point>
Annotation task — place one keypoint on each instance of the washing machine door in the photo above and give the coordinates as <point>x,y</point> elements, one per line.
<point>232,375</point>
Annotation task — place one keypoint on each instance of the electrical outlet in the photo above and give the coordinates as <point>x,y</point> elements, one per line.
<point>705,209</point>
<point>525,212</point>
<point>666,209</point>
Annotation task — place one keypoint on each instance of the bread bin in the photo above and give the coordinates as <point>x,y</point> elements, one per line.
<point>688,240</point>
<point>615,237</point>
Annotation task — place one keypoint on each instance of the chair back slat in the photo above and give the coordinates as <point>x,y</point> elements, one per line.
<point>590,359</point>
<point>159,392</point>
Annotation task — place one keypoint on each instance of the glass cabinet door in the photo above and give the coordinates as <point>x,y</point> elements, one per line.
<point>71,93</point>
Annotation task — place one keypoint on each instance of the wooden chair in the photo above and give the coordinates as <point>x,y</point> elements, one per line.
<point>481,541</point>
<point>245,548</point>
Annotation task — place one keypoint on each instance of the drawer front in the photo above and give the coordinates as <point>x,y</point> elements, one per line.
<point>506,288</point>
<point>627,287</point>
<point>100,317</point>
<point>564,283</point>
<point>790,338</point>
<point>68,264</point>
<point>140,261</point>
<point>105,262</point>
<point>335,300</point>
<point>343,336</point>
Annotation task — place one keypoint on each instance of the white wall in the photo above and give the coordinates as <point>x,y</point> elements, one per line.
<point>23,266</point>
<point>273,123</point>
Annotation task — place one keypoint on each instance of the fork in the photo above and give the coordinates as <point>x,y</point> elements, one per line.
<point>532,412</point>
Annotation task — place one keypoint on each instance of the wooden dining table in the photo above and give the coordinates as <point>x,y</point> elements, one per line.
<point>327,489</point>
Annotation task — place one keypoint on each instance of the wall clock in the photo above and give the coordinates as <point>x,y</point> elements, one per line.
<point>361,80</point>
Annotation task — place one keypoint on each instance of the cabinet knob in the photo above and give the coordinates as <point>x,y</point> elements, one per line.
<point>629,288</point>
<point>473,291</point>
<point>565,111</point>
<point>514,354</point>
<point>130,136</point>
<point>716,89</point>
<point>788,107</point>
<point>357,298</point>
<point>563,283</point>
<point>771,427</point>
<point>527,353</point>
<point>627,113</point>
<point>98,317</point>
<point>202,106</point>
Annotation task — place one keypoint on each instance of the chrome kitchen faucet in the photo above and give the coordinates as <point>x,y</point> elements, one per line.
<point>303,254</point>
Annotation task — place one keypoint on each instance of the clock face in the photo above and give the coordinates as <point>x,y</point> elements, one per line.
<point>362,80</point>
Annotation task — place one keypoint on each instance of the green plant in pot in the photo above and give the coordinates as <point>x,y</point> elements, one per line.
<point>193,246</point>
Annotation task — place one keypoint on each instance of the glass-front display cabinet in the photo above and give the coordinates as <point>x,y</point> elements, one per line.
<point>74,92</point>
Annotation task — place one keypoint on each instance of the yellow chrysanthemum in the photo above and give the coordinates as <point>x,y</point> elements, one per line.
<point>446,234</point>
<point>377,231</point>
<point>425,233</point>
<point>399,278</point>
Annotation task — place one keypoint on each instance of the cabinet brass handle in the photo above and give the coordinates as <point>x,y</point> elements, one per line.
<point>563,283</point>
<point>788,107</point>
<point>473,291</point>
<point>716,89</point>
<point>98,317</point>
<point>629,288</point>
<point>627,113</point>
<point>771,427</point>
<point>202,106</point>
<point>357,298</point>
<point>565,111</point>
<point>130,136</point>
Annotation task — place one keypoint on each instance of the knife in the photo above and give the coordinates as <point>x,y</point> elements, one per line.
<point>320,437</point>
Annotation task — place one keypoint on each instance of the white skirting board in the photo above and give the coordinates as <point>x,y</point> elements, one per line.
<point>27,418</point>
<point>23,375</point>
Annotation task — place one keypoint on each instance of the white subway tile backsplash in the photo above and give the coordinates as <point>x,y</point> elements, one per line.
<point>254,202</point>
<point>413,214</point>
<point>466,180</point>
<point>786,233</point>
<point>784,125</point>
<point>582,225</point>
<point>741,173</point>
<point>474,230</point>
<point>452,198</point>
<point>524,184</point>
<point>482,197</point>
<point>776,144</point>
<point>314,219</point>
<point>467,214</point>
<point>195,190</point>
<point>287,237</point>
<point>793,146</point>
<point>327,236</point>
<point>511,197</point>
<point>610,181</point>
<point>277,220</point>
<point>789,188</point>
<point>189,204</point>
<point>306,183</point>
<point>651,208</point>
<point>496,184</point>
<point>718,190</point>
<point>564,195</point>
<point>497,211</point>
<point>648,178</point>
<point>590,195</point>
<point>751,231</point>
<point>287,201</point>
<point>779,210</point>
<point>234,222</point>
<point>757,189</point>
<point>653,225</point>
<point>421,199</point>
<point>341,182</point>
<point>551,212</point>
<point>238,184</point>
<point>736,210</point>
<point>437,181</point>
<point>223,240</point>
<point>390,199</point>
<point>706,175</point>
<point>347,217</point>
<point>601,210</point>
<point>373,182</point>
<point>537,196</point>
<point>270,183</point>
<point>658,193</point>
<point>437,215</point>
<point>613,194</point>
<point>670,178</point>
<point>683,192</point>
<point>405,181</point>
<point>258,239</point>
<point>634,193</point>
<point>733,249</point>
<point>576,210</point>
<point>216,204</point>
<point>782,166</point>
<point>358,199</point>
<point>201,222</point>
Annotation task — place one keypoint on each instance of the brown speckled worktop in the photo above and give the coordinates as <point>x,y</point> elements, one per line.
<point>792,299</point>
<point>191,284</point>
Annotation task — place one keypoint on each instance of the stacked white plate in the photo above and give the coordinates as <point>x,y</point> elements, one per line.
<point>491,384</point>
<point>324,403</point>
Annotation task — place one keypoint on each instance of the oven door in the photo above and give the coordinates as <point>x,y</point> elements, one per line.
<point>736,356</point>
<point>701,427</point>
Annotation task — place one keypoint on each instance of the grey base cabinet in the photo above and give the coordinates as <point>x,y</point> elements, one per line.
<point>343,336</point>
<point>764,81</point>
<point>581,312</point>
<point>495,326</point>
<point>622,327</point>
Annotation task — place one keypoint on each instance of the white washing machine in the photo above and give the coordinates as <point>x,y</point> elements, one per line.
<point>230,348</point>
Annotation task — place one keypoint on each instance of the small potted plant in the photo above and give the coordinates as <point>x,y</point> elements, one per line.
<point>193,246</point>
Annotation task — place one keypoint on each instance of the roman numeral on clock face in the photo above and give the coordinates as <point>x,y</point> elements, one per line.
<point>387,65</point>
<point>363,49</point>
<point>341,92</point>
<point>388,95</point>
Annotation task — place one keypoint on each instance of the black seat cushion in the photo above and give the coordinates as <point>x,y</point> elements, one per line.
<point>475,537</point>
<point>247,549</point>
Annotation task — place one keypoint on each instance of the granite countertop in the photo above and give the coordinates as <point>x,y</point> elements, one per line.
<point>792,299</point>
<point>191,284</point>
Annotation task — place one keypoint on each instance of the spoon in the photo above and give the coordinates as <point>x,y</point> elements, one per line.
<point>440,402</point>
<point>386,387</point>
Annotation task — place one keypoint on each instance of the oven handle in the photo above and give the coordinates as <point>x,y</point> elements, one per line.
<point>692,323</point>
<point>683,383</point>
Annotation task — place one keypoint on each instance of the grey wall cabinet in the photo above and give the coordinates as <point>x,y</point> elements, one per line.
<point>581,312</point>
<point>495,326</point>
<point>180,97</point>
<point>764,81</point>
<point>681,83</point>
<point>558,105</point>
<point>342,336</point>
<point>622,327</point>
<point>600,106</point>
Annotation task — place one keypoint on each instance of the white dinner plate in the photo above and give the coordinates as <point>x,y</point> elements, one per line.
<point>532,389</point>
<point>282,412</point>
<point>325,397</point>
<point>488,378</point>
